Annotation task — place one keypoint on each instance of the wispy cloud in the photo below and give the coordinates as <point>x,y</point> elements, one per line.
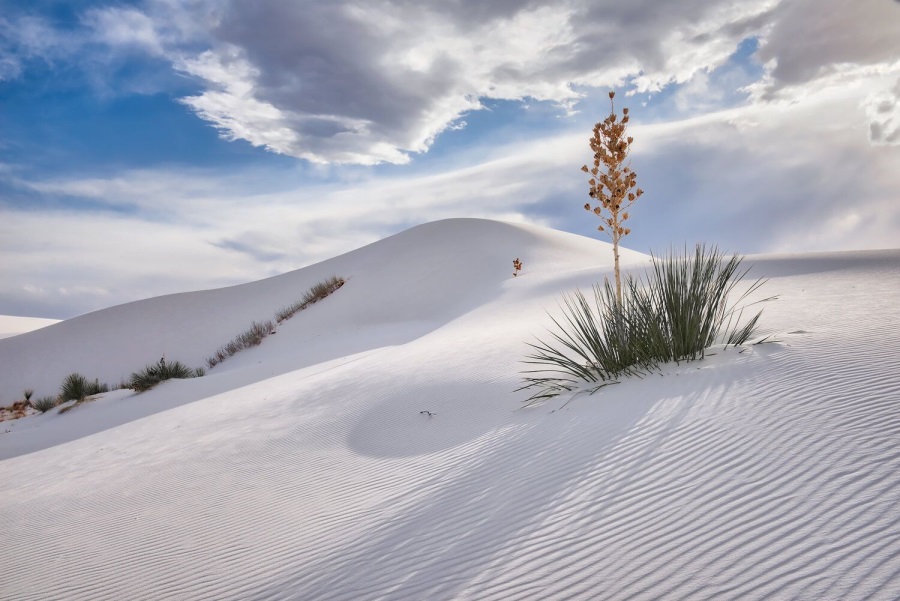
<point>750,179</point>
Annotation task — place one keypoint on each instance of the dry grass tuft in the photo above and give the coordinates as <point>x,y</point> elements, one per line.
<point>15,411</point>
<point>252,336</point>
<point>313,295</point>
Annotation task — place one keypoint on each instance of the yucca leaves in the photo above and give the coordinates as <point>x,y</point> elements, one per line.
<point>77,387</point>
<point>679,309</point>
<point>44,404</point>
<point>153,374</point>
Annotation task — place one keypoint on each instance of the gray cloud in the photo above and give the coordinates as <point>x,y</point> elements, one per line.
<point>250,248</point>
<point>814,39</point>
<point>375,82</point>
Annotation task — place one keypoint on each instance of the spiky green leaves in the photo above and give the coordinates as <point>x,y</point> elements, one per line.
<point>680,309</point>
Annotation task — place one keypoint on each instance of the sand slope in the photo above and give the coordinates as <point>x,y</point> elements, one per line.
<point>303,469</point>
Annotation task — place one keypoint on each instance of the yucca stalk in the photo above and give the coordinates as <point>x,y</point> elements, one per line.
<point>612,186</point>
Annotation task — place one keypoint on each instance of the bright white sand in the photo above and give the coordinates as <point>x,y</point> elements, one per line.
<point>304,469</point>
<point>13,326</point>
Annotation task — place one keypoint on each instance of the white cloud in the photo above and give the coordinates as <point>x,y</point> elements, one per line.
<point>231,106</point>
<point>124,27</point>
<point>25,37</point>
<point>883,111</point>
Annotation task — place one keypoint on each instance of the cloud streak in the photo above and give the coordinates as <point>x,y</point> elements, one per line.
<point>750,179</point>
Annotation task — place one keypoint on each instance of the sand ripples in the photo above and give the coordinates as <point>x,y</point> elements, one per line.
<point>772,474</point>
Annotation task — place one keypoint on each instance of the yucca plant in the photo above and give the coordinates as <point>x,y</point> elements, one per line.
<point>153,374</point>
<point>28,393</point>
<point>44,404</point>
<point>74,387</point>
<point>675,313</point>
<point>96,387</point>
<point>690,295</point>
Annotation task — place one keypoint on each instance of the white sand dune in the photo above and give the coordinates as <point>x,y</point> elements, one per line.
<point>13,326</point>
<point>304,468</point>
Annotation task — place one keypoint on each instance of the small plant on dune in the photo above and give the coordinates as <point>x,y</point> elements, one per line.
<point>257,331</point>
<point>158,372</point>
<point>78,388</point>
<point>252,336</point>
<point>323,289</point>
<point>96,387</point>
<point>311,296</point>
<point>680,310</point>
<point>28,394</point>
<point>613,183</point>
<point>74,387</point>
<point>17,410</point>
<point>44,404</point>
<point>517,266</point>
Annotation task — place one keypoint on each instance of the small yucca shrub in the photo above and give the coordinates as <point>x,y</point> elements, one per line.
<point>96,387</point>
<point>28,393</point>
<point>153,374</point>
<point>74,387</point>
<point>44,404</point>
<point>678,311</point>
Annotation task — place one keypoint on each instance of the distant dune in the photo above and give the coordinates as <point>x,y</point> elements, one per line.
<point>13,326</point>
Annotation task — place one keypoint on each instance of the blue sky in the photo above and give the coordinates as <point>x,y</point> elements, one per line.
<point>168,145</point>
